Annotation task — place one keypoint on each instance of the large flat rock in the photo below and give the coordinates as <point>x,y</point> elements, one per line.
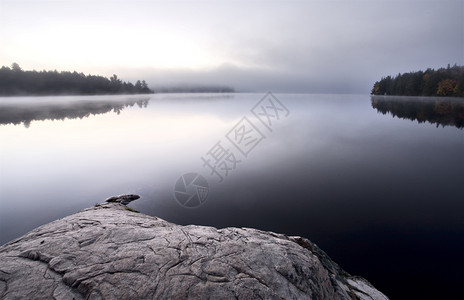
<point>109,252</point>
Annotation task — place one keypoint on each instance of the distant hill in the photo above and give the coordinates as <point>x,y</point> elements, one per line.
<point>15,81</point>
<point>195,89</point>
<point>442,82</point>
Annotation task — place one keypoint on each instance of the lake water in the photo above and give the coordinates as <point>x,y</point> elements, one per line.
<point>375,182</point>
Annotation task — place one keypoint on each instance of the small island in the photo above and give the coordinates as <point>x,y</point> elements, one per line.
<point>15,81</point>
<point>442,82</point>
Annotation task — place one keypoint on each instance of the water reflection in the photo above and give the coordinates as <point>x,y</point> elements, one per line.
<point>439,111</point>
<point>379,195</point>
<point>20,110</point>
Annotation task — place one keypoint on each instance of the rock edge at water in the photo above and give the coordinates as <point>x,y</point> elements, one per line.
<point>109,252</point>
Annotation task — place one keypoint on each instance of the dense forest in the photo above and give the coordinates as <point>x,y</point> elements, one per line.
<point>15,81</point>
<point>442,82</point>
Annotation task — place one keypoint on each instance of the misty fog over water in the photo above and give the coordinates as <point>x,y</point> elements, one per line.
<point>374,184</point>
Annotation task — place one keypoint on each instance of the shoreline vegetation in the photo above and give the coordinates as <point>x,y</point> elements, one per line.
<point>15,81</point>
<point>446,82</point>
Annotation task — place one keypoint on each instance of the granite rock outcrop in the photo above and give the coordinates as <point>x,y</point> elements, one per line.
<point>111,252</point>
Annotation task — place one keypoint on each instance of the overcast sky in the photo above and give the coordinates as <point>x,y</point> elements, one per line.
<point>281,46</point>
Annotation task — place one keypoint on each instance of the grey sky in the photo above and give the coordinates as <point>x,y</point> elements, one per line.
<point>282,46</point>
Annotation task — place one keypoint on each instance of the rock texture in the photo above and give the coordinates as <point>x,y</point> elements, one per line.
<point>109,252</point>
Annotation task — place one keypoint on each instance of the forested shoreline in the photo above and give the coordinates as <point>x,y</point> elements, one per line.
<point>441,82</point>
<point>16,82</point>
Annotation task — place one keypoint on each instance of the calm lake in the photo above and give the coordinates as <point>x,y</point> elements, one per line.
<point>378,183</point>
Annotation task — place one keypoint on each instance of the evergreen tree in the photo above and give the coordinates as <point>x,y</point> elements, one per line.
<point>441,82</point>
<point>15,81</point>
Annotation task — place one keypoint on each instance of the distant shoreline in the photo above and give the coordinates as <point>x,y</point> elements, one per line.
<point>15,81</point>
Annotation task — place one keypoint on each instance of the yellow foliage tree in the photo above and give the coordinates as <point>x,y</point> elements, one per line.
<point>446,87</point>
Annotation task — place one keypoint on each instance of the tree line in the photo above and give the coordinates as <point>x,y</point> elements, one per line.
<point>15,81</point>
<point>442,82</point>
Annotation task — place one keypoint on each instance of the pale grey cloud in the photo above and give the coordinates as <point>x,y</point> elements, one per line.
<point>300,46</point>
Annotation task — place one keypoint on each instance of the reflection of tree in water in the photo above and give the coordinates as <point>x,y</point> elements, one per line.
<point>26,113</point>
<point>440,111</point>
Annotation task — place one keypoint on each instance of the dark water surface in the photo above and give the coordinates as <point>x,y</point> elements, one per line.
<point>382,195</point>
